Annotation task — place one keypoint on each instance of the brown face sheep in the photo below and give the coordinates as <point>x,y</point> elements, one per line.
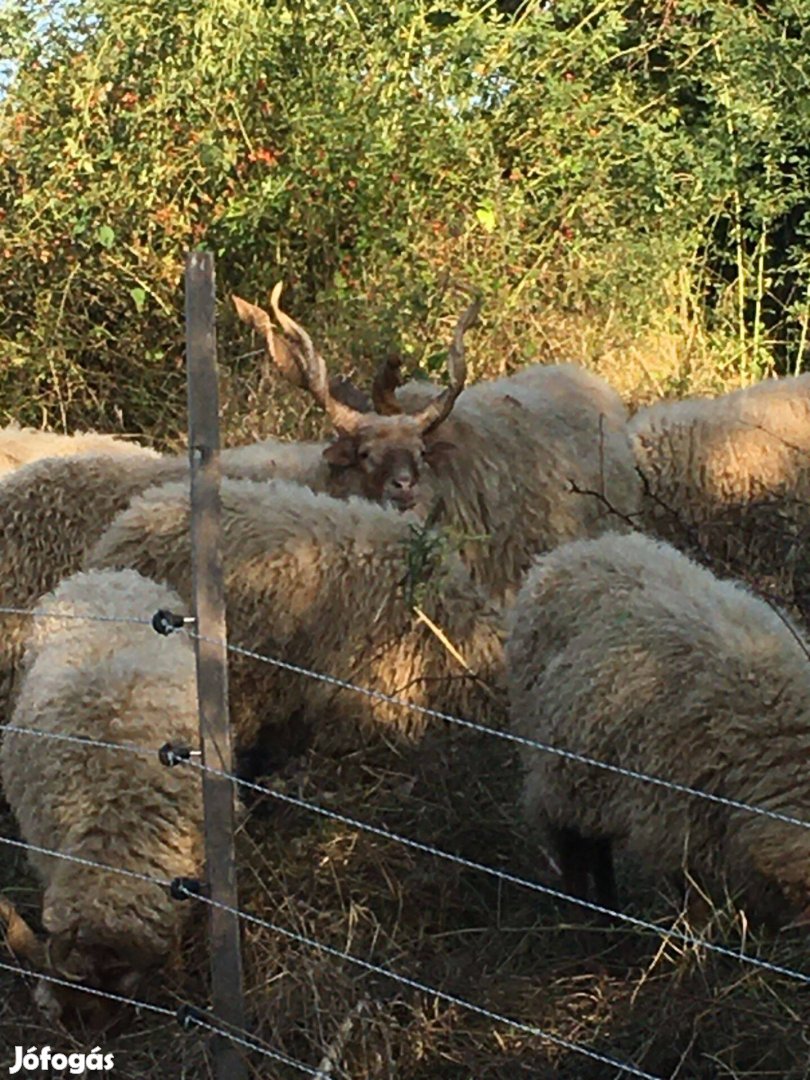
<point>731,476</point>
<point>118,683</point>
<point>623,650</point>
<point>21,445</point>
<point>383,451</point>
<point>329,585</point>
<point>513,466</point>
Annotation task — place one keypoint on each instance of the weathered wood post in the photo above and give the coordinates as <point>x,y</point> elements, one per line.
<point>211,653</point>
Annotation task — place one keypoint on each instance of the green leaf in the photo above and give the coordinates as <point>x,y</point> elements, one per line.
<point>106,236</point>
<point>139,296</point>
<point>487,218</point>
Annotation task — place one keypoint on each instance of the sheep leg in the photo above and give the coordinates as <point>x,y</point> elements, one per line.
<point>604,878</point>
<point>573,857</point>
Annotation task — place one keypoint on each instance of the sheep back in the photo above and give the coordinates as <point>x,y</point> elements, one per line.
<point>20,445</point>
<point>521,443</point>
<point>320,583</point>
<point>624,650</point>
<point>121,683</point>
<point>730,475</point>
<point>53,511</point>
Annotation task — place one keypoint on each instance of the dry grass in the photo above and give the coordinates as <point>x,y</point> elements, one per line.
<point>674,1011</point>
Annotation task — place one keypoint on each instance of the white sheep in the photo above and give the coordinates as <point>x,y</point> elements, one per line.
<point>514,466</point>
<point>623,650</point>
<point>20,445</point>
<point>53,511</point>
<point>329,585</point>
<point>731,476</point>
<point>119,683</point>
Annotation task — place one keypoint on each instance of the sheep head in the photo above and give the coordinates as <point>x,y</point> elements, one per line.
<point>79,956</point>
<point>378,455</point>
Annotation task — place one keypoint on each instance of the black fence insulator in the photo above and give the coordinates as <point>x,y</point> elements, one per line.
<point>170,755</point>
<point>187,1014</point>
<point>182,888</point>
<point>166,622</point>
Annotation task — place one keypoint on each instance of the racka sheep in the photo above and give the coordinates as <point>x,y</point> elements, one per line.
<point>20,445</point>
<point>730,476</point>
<point>118,683</point>
<point>514,466</point>
<point>53,511</point>
<point>347,588</point>
<point>623,650</point>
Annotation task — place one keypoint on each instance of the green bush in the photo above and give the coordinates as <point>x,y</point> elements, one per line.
<point>641,165</point>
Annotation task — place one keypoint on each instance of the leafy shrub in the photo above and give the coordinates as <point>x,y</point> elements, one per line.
<point>641,166</point>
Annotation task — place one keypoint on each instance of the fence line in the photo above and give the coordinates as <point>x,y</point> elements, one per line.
<point>414,844</point>
<point>414,984</point>
<point>521,740</point>
<point>428,849</point>
<point>179,887</point>
<point>106,994</point>
<point>276,1055</point>
<point>471,725</point>
<point>81,861</point>
<point>185,1015</point>
<point>79,740</point>
<point>513,879</point>
<point>35,614</point>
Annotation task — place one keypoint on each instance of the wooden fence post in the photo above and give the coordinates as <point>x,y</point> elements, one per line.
<point>212,677</point>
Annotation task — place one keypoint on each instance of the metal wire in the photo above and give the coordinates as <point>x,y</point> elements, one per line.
<point>191,1018</point>
<point>84,862</point>
<point>79,740</point>
<point>483,729</point>
<point>414,984</point>
<point>534,744</point>
<point>15,969</point>
<point>249,1044</point>
<point>503,875</point>
<point>73,615</point>
<point>417,845</point>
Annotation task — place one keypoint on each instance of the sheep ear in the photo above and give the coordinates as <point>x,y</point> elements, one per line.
<point>341,453</point>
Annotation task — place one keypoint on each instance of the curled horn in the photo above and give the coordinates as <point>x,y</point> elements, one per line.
<point>287,355</point>
<point>386,381</point>
<point>259,320</point>
<point>440,408</point>
<point>20,938</point>
<point>313,369</point>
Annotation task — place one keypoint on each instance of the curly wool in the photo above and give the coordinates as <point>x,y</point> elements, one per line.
<point>730,475</point>
<point>121,683</point>
<point>321,583</point>
<point>53,511</point>
<point>21,445</point>
<point>624,650</point>
<point>521,444</point>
